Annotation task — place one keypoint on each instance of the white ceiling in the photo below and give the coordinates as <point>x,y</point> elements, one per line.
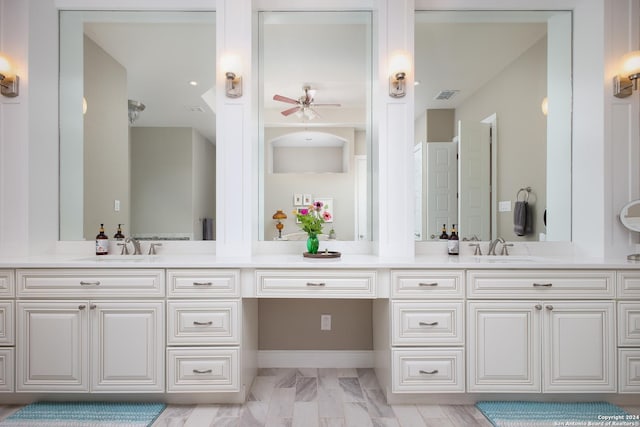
<point>329,51</point>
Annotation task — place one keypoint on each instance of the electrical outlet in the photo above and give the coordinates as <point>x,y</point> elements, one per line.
<point>325,322</point>
<point>116,205</point>
<point>504,206</point>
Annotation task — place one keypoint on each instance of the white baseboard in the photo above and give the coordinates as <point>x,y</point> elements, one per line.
<point>315,359</point>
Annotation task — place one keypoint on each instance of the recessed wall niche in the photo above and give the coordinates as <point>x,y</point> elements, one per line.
<point>308,152</point>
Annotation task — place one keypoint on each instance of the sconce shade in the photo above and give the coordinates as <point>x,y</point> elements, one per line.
<point>631,63</point>
<point>279,215</point>
<point>9,83</point>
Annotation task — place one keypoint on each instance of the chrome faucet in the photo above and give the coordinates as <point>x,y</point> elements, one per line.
<point>136,245</point>
<point>493,244</point>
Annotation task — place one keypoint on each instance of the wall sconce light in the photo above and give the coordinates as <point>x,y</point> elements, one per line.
<point>279,215</point>
<point>398,66</point>
<point>623,85</point>
<point>233,85</point>
<point>9,84</point>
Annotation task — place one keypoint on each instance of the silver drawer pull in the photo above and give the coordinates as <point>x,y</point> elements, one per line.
<point>202,284</point>
<point>428,284</point>
<point>543,285</point>
<point>548,307</point>
<point>199,371</point>
<point>435,371</point>
<point>428,323</point>
<point>83,283</point>
<point>209,323</point>
<point>82,307</point>
<point>316,284</point>
<point>538,306</point>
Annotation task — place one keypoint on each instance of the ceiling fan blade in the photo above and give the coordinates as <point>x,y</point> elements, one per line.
<point>284,99</point>
<point>326,105</point>
<point>289,111</point>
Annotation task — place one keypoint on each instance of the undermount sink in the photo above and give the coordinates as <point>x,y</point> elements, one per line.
<point>122,258</point>
<point>505,258</point>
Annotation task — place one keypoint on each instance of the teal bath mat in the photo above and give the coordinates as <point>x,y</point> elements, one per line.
<point>85,414</point>
<point>553,414</point>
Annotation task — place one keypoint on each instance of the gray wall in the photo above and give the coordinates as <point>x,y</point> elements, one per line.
<point>106,142</point>
<point>516,95</point>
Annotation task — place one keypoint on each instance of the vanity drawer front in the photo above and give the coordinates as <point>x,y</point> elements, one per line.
<point>203,322</point>
<point>629,370</point>
<point>192,283</point>
<point>428,370</point>
<point>501,284</point>
<point>427,323</point>
<point>629,324</point>
<point>629,284</point>
<point>427,284</point>
<point>316,283</point>
<point>7,371</point>
<point>6,323</point>
<point>203,369</point>
<point>90,283</point>
<point>7,284</point>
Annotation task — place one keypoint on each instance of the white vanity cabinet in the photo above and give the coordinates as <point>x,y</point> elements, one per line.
<point>204,325</point>
<point>84,343</point>
<point>427,331</point>
<point>629,331</point>
<point>7,330</point>
<point>535,335</point>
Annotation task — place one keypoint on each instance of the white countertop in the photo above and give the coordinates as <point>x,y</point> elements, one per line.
<point>298,261</point>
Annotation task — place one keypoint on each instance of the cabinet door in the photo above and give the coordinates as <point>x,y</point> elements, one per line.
<point>127,346</point>
<point>52,346</point>
<point>504,346</point>
<point>579,347</point>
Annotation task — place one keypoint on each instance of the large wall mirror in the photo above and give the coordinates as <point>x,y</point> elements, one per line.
<point>493,124</point>
<point>137,124</point>
<point>315,120</point>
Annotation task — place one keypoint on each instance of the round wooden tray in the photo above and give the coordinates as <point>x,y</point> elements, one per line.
<point>322,255</point>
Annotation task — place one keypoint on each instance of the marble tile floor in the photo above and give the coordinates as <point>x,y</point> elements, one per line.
<point>317,397</point>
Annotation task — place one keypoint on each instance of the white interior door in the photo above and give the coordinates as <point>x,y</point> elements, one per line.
<point>417,168</point>
<point>442,186</point>
<point>474,180</point>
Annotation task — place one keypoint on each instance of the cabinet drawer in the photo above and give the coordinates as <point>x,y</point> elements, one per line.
<point>7,284</point>
<point>203,322</point>
<point>119,283</point>
<point>6,323</point>
<point>427,323</point>
<point>202,369</point>
<point>628,284</point>
<point>203,283</point>
<point>428,370</point>
<point>509,284</point>
<point>629,370</point>
<point>316,283</point>
<point>6,370</point>
<point>629,324</point>
<point>426,284</point>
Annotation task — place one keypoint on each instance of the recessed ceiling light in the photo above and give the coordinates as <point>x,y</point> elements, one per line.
<point>193,83</point>
<point>416,83</point>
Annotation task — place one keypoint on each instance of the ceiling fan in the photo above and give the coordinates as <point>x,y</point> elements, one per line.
<point>303,104</point>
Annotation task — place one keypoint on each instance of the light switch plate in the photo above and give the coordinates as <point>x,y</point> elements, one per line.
<point>504,206</point>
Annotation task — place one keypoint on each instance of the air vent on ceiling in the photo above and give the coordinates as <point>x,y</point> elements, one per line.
<point>446,94</point>
<point>194,108</point>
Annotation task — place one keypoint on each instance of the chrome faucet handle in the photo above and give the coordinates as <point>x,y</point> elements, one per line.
<point>136,245</point>
<point>124,250</point>
<point>152,248</point>
<point>477,251</point>
<point>504,251</point>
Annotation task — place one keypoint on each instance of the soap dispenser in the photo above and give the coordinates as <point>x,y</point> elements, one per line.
<point>102,242</point>
<point>119,235</point>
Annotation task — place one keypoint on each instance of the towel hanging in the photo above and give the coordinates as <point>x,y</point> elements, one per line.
<point>522,214</point>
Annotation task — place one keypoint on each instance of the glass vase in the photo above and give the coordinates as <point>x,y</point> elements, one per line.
<point>312,243</point>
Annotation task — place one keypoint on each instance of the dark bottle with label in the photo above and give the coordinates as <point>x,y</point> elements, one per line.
<point>454,243</point>
<point>119,235</point>
<point>102,242</point>
<point>444,235</point>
